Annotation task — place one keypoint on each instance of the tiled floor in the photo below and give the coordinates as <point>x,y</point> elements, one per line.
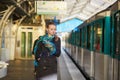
<point>23,70</point>
<point>20,70</point>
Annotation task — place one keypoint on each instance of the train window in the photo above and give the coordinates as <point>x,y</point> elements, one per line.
<point>80,36</point>
<point>73,38</point>
<point>84,41</point>
<point>77,37</point>
<point>97,37</point>
<point>89,28</point>
<point>117,33</point>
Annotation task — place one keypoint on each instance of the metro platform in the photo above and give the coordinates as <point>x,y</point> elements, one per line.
<point>23,70</point>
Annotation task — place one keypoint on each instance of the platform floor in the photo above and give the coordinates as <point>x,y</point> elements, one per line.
<point>20,70</point>
<point>23,70</point>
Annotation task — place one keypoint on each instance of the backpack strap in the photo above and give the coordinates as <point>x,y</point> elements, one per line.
<point>36,45</point>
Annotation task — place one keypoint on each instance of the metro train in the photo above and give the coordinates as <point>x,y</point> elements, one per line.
<point>95,45</point>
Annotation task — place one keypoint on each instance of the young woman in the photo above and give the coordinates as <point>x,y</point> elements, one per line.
<point>47,49</point>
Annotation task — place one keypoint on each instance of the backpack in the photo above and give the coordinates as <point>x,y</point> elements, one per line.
<point>36,45</point>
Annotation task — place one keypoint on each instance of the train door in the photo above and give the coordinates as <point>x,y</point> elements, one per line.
<point>116,46</point>
<point>26,44</point>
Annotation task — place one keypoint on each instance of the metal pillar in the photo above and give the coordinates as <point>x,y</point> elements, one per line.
<point>5,17</point>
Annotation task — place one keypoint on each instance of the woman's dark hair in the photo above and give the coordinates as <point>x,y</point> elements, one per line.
<point>49,23</point>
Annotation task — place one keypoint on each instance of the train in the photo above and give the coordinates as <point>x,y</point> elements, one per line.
<point>95,45</point>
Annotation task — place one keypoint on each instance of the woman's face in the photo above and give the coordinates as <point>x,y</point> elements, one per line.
<point>51,30</point>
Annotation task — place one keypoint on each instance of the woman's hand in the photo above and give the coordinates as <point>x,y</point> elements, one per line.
<point>38,59</point>
<point>56,38</point>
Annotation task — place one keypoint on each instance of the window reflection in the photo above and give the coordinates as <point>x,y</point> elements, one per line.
<point>97,37</point>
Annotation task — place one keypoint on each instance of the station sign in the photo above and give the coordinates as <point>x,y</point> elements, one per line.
<point>50,7</point>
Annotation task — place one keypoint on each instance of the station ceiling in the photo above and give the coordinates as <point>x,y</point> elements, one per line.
<point>84,9</point>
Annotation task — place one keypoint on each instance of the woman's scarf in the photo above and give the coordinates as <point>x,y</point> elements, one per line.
<point>47,41</point>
